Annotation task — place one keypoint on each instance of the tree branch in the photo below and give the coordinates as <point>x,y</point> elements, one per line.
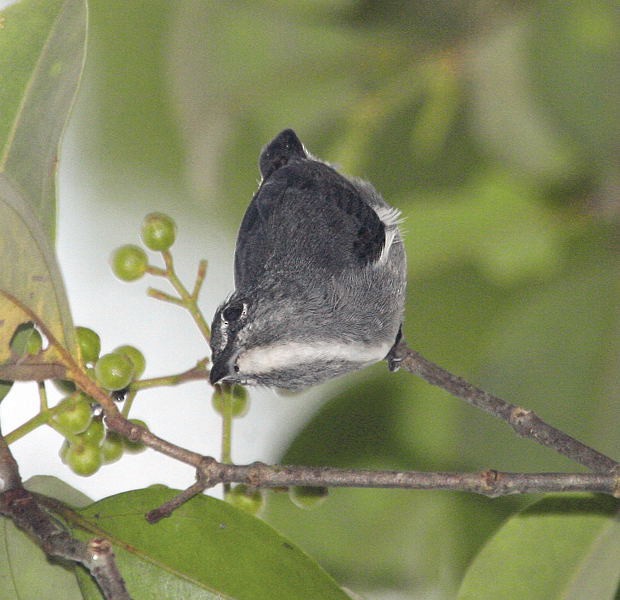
<point>29,369</point>
<point>22,508</point>
<point>489,483</point>
<point>525,422</point>
<point>605,479</point>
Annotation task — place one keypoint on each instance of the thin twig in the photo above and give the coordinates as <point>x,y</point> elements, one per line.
<point>488,483</point>
<point>135,433</point>
<point>197,372</point>
<point>164,297</point>
<point>166,509</point>
<point>200,278</point>
<point>525,422</point>
<point>189,301</point>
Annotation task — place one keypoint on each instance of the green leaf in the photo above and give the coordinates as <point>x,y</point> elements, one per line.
<point>507,117</point>
<point>390,425</point>
<point>207,549</point>
<point>42,47</point>
<point>5,388</point>
<point>56,488</point>
<point>574,46</point>
<point>25,570</point>
<point>494,221</point>
<point>554,350</point>
<point>42,50</point>
<point>560,547</point>
<point>31,275</point>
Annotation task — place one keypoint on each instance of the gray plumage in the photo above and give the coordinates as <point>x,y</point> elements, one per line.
<point>320,275</point>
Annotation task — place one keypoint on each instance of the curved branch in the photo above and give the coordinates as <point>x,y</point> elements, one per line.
<point>525,422</point>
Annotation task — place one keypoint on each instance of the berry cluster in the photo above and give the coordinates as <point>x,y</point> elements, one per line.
<point>88,445</point>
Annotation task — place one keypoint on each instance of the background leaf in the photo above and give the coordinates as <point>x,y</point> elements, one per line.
<point>207,549</point>
<point>41,54</point>
<point>559,547</point>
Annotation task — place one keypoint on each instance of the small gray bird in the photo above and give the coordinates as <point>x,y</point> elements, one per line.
<point>320,276</point>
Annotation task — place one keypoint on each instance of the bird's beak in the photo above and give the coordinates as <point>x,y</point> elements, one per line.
<point>222,366</point>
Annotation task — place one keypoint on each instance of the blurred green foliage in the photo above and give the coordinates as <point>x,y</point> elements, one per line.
<point>494,128</point>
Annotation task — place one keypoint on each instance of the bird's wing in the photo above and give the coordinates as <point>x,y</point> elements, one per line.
<point>307,216</point>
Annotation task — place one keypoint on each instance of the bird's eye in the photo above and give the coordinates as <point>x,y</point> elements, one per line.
<point>233,312</point>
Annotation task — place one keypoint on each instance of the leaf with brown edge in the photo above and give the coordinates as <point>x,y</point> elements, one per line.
<point>41,55</point>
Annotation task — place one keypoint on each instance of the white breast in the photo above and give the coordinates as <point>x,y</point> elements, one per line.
<point>274,357</point>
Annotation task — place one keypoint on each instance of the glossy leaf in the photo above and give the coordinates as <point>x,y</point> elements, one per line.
<point>41,55</point>
<point>560,547</point>
<point>207,549</point>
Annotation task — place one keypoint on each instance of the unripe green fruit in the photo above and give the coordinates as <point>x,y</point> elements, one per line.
<point>158,231</point>
<point>89,343</point>
<point>74,414</point>
<point>114,371</point>
<point>62,452</point>
<point>129,262</point>
<point>135,447</point>
<point>248,501</point>
<point>112,447</point>
<point>239,400</point>
<point>94,433</point>
<point>307,497</point>
<point>135,356</point>
<point>26,340</point>
<point>83,459</point>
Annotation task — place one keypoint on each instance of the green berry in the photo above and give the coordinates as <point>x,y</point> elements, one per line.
<point>158,231</point>
<point>83,459</point>
<point>26,340</point>
<point>112,447</point>
<point>245,499</point>
<point>135,447</point>
<point>74,414</point>
<point>94,433</point>
<point>129,262</point>
<point>236,394</point>
<point>307,497</point>
<point>89,343</point>
<point>114,371</point>
<point>136,357</point>
<point>62,452</point>
<point>34,343</point>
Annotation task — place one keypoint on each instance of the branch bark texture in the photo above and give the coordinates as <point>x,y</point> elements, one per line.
<point>524,422</point>
<point>488,483</point>
<point>22,508</point>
